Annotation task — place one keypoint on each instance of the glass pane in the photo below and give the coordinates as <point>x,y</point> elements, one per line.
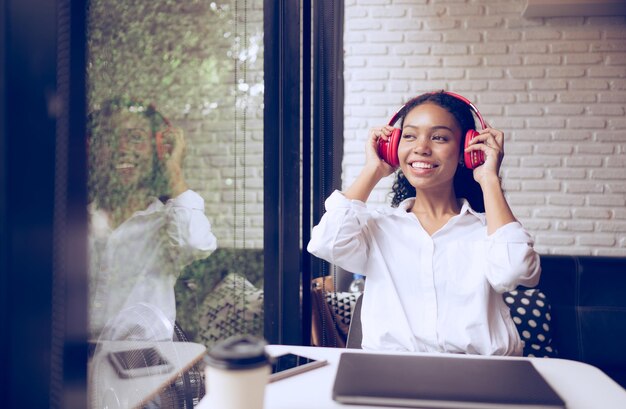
<point>175,147</point>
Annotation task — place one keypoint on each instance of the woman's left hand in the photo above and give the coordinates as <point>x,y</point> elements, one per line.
<point>491,142</point>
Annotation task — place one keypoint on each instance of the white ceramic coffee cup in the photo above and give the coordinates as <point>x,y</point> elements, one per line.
<point>237,373</point>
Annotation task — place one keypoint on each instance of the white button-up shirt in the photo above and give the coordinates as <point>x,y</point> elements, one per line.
<point>429,293</point>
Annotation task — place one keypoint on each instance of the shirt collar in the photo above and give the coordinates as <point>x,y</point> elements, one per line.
<point>406,204</point>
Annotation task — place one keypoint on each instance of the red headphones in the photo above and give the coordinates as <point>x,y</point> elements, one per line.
<point>388,149</point>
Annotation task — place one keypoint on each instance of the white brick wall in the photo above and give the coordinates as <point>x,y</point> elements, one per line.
<point>556,86</point>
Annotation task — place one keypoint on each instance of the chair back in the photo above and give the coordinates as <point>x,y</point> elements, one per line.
<point>355,334</point>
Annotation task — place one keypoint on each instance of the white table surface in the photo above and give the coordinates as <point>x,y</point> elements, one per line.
<point>580,385</point>
<point>108,390</point>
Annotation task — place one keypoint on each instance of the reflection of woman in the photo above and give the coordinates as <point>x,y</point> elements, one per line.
<point>146,225</point>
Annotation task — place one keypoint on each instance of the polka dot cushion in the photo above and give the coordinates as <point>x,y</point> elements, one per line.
<point>530,311</point>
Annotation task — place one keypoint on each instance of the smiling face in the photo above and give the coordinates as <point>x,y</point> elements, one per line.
<point>133,155</point>
<point>429,148</point>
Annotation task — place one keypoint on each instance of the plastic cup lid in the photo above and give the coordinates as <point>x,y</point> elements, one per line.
<point>239,352</point>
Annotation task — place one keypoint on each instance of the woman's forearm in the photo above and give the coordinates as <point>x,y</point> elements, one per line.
<point>496,207</point>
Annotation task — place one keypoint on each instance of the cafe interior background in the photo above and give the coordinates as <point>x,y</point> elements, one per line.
<point>275,99</point>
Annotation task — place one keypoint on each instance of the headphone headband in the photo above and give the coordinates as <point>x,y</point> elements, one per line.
<point>396,116</point>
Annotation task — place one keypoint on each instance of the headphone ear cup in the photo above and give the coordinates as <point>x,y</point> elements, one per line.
<point>388,149</point>
<point>472,159</point>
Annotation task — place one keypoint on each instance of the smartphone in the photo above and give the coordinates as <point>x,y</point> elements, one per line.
<point>133,363</point>
<point>287,365</point>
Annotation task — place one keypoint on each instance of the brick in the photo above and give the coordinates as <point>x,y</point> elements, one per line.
<point>578,97</point>
<point>578,84</point>
<point>617,123</point>
<point>542,34</point>
<point>502,60</point>
<point>584,161</point>
<point>553,84</point>
<point>446,73</point>
<point>386,63</point>
<point>608,46</point>
<point>596,149</point>
<point>597,240</point>
<point>612,252</point>
<point>523,110</point>
<point>526,199</point>
<point>489,49</point>
<point>502,35</point>
<point>565,72</point>
<point>462,36</point>
<point>449,49</point>
<point>410,49</point>
<point>615,59</point>
<point>608,174</point>
<point>424,37</point>
<point>441,24</point>
<point>499,9</point>
<point>565,110</point>
<point>469,85</point>
<point>554,148</point>
<point>569,47</point>
<point>484,23</point>
<point>535,225</point>
<point>528,135</point>
<point>583,187</point>
<point>616,161</point>
<point>466,10</point>
<point>371,75</point>
<point>555,240</point>
<point>611,136</point>
<point>541,186</point>
<point>586,34</point>
<point>403,25</point>
<point>606,110</point>
<point>607,200</point>
<point>542,59</point>
<point>586,123</point>
<point>566,200</point>
<point>612,97</point>
<point>583,59</point>
<point>525,174</point>
<point>507,85</point>
<point>468,61</point>
<point>607,72</point>
<point>538,96</point>
<point>612,226</point>
<point>588,213</point>
<point>427,11</point>
<point>575,226</point>
<point>568,174</point>
<point>546,123</point>
<point>527,72</point>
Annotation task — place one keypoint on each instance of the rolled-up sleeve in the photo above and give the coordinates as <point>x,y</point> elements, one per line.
<point>188,228</point>
<point>511,258</point>
<point>341,237</point>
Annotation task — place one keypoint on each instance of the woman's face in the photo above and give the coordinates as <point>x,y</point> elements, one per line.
<point>133,155</point>
<point>429,149</point>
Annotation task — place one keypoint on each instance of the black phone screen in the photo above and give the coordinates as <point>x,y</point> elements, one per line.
<point>289,361</point>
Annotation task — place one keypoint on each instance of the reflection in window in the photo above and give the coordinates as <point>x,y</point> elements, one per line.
<point>175,169</point>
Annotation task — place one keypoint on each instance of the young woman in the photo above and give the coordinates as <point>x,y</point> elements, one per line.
<point>438,261</point>
<point>145,224</point>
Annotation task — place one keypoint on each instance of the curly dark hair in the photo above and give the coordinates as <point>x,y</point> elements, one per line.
<point>464,184</point>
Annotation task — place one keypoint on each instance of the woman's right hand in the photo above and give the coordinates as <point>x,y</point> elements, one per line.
<point>372,159</point>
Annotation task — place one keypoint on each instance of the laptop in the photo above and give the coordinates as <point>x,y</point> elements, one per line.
<point>441,382</point>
